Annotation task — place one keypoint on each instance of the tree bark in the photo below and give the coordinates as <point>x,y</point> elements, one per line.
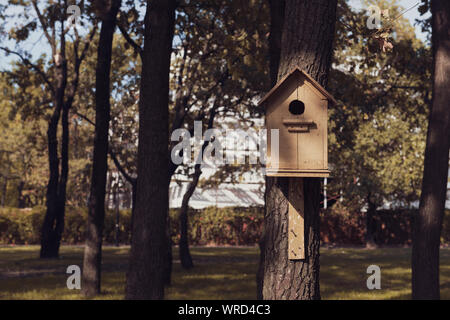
<point>145,278</point>
<point>425,251</point>
<point>169,255</point>
<point>276,31</point>
<point>276,8</point>
<point>307,38</point>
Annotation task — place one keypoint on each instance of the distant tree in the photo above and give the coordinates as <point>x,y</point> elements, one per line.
<point>51,20</point>
<point>96,206</point>
<point>426,238</point>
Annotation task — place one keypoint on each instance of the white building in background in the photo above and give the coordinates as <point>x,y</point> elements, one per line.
<point>247,192</point>
<point>226,195</point>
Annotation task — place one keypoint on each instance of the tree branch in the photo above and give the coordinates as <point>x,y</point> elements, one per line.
<point>32,65</point>
<point>121,169</point>
<point>50,39</point>
<point>127,37</point>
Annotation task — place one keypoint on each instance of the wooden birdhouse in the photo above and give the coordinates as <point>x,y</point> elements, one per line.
<point>297,105</point>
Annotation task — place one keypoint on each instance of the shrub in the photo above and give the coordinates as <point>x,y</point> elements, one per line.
<point>221,226</point>
<point>216,226</point>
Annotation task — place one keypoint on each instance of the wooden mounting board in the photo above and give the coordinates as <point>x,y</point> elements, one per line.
<point>296,222</point>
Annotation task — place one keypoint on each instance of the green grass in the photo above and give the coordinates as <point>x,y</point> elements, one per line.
<point>219,273</point>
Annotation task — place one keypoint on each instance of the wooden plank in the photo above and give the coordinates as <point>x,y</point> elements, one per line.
<point>296,222</point>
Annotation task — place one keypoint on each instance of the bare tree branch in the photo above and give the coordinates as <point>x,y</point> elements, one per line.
<point>51,40</point>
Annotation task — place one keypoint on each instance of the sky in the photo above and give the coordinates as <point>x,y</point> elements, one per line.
<point>412,14</point>
<point>37,45</point>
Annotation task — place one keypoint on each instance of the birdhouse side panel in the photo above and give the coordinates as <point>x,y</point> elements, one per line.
<point>312,147</point>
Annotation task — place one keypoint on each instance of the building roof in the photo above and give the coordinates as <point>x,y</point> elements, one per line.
<point>297,70</point>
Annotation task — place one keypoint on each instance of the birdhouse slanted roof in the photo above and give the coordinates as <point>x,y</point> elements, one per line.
<point>298,71</point>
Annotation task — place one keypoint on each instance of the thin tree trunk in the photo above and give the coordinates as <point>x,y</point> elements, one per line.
<point>185,255</point>
<point>5,189</point>
<point>370,224</point>
<point>425,252</point>
<point>307,39</point>
<point>96,211</point>
<point>117,209</point>
<point>21,203</point>
<point>53,226</point>
<point>276,31</point>
<point>145,277</point>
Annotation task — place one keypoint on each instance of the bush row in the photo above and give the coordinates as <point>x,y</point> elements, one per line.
<point>217,226</point>
<point>227,226</point>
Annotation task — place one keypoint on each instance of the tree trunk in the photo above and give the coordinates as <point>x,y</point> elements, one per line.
<point>425,252</point>
<point>276,31</point>
<point>96,210</point>
<point>307,38</point>
<point>370,224</point>
<point>52,227</point>
<point>168,266</point>
<point>21,202</point>
<point>5,190</point>
<point>117,211</point>
<point>145,278</point>
<point>185,255</point>
<point>276,8</point>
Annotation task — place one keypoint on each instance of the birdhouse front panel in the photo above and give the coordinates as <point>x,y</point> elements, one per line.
<point>298,109</point>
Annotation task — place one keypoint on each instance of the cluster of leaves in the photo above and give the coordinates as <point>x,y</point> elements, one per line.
<point>22,149</point>
<point>377,132</point>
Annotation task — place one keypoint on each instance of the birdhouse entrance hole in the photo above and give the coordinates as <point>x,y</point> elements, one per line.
<point>297,107</point>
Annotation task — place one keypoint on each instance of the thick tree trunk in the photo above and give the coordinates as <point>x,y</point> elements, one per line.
<point>53,225</point>
<point>425,252</point>
<point>276,8</point>
<point>276,31</point>
<point>307,39</point>
<point>145,278</point>
<point>169,255</point>
<point>96,210</point>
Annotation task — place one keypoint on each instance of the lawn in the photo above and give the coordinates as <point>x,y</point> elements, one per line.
<point>219,273</point>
